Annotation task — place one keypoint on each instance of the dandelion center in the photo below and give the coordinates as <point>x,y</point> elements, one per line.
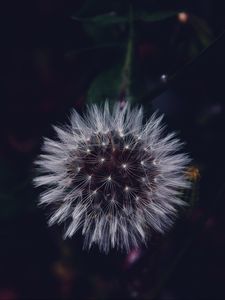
<point>117,164</point>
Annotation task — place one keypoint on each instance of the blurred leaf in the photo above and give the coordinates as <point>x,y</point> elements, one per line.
<point>103,33</point>
<point>106,85</point>
<point>111,26</point>
<point>157,16</point>
<point>113,18</point>
<point>202,30</point>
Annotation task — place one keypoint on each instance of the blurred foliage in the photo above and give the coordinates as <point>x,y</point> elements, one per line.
<point>109,25</point>
<point>107,83</point>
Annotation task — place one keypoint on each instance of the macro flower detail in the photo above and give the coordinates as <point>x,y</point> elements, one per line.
<point>112,177</point>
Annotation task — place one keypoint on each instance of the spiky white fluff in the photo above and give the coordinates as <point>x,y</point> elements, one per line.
<point>113,177</point>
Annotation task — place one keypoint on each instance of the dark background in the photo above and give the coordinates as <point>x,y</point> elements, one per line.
<point>56,55</point>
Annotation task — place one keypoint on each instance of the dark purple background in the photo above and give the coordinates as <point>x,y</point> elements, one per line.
<point>39,85</point>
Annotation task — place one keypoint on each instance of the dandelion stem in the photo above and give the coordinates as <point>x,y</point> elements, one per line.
<point>125,89</point>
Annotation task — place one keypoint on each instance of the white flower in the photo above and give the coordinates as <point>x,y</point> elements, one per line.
<point>112,177</point>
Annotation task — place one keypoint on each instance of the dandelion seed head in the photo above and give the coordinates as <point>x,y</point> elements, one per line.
<point>103,177</point>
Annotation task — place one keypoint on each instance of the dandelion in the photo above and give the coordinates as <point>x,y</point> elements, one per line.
<point>113,177</point>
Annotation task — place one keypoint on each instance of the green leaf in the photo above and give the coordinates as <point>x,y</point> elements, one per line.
<point>157,16</point>
<point>113,18</point>
<point>102,27</point>
<point>106,85</point>
<point>202,30</point>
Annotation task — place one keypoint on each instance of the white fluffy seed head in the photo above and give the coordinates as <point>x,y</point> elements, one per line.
<point>112,177</point>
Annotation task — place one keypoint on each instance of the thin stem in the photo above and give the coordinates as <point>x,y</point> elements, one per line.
<point>125,89</point>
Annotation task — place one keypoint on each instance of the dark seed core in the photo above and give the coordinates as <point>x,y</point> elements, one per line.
<point>114,167</point>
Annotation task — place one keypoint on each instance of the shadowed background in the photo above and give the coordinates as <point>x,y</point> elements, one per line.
<point>56,55</point>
